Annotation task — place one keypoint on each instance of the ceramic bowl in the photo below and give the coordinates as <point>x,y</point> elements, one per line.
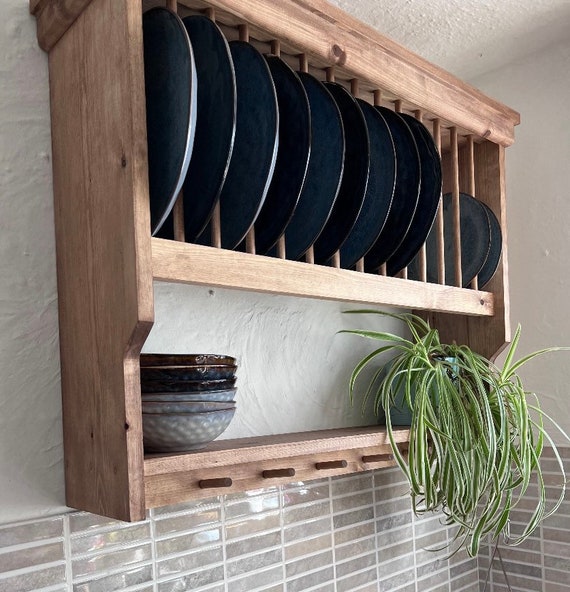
<point>185,406</point>
<point>220,396</point>
<point>183,373</point>
<point>186,360</point>
<point>185,386</point>
<point>172,432</point>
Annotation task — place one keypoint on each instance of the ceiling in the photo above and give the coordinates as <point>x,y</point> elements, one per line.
<point>467,37</point>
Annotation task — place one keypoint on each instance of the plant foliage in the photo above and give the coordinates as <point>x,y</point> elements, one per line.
<point>476,435</point>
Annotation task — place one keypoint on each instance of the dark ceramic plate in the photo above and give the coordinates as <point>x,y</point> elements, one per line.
<point>215,126</point>
<point>406,192</point>
<point>324,173</point>
<point>186,360</point>
<point>170,88</point>
<point>255,146</point>
<point>179,373</point>
<point>186,386</point>
<point>354,179</point>
<point>492,262</point>
<point>475,242</point>
<point>379,192</point>
<point>430,192</point>
<point>292,156</point>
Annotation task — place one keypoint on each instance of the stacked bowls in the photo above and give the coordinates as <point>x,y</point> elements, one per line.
<point>187,399</point>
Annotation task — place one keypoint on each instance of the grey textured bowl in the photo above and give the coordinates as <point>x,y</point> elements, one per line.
<point>221,396</point>
<point>186,360</point>
<point>185,406</point>
<point>170,432</point>
<point>185,386</point>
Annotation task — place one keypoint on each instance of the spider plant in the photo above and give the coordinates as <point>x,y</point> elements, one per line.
<point>476,434</point>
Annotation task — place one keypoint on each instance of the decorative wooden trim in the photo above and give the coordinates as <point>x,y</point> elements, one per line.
<point>54,18</point>
<point>249,463</point>
<point>196,264</point>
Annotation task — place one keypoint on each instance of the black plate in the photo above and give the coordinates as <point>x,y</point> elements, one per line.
<point>324,173</point>
<point>255,146</point>
<point>492,262</point>
<point>430,191</point>
<point>215,126</point>
<point>292,156</point>
<point>406,192</point>
<point>170,88</point>
<point>475,242</point>
<point>354,179</point>
<point>379,192</point>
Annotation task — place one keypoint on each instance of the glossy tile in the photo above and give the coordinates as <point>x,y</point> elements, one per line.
<point>109,539</point>
<point>306,512</point>
<point>33,580</point>
<point>187,542</point>
<point>182,522</point>
<point>356,581</point>
<point>253,544</point>
<point>194,581</point>
<point>106,562</point>
<point>306,564</point>
<point>311,580</point>
<point>32,556</point>
<point>252,525</point>
<point>253,563</point>
<point>119,581</point>
<point>189,562</point>
<point>22,534</point>
<point>308,546</point>
<point>257,580</point>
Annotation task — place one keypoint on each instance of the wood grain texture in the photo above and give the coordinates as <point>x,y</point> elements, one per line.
<point>103,253</point>
<point>329,34</point>
<point>54,18</point>
<point>202,265</point>
<point>175,478</point>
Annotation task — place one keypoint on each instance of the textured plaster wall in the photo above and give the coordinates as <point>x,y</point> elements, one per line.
<point>293,367</point>
<point>538,189</point>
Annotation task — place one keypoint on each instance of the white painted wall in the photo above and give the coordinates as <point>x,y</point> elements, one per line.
<point>293,365</point>
<point>538,215</point>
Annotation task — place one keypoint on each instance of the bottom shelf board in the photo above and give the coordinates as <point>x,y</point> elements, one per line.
<point>229,466</point>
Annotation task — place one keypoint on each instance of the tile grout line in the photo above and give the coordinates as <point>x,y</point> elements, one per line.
<point>333,541</point>
<point>282,527</point>
<point>414,549</point>
<point>223,533</point>
<point>67,553</point>
<point>376,533</point>
<point>153,554</point>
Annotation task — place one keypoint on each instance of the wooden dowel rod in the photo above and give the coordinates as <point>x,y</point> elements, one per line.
<point>419,114</point>
<point>398,105</point>
<point>172,5</point>
<point>250,241</point>
<point>310,255</point>
<point>330,74</point>
<point>377,98</point>
<point>303,62</point>
<point>243,32</point>
<point>216,227</point>
<point>354,87</point>
<point>281,247</point>
<point>383,270</point>
<point>455,207</point>
<point>278,473</point>
<point>360,265</point>
<point>374,458</point>
<point>276,47</point>
<point>215,483</point>
<point>471,185</point>
<point>335,260</point>
<point>178,218</point>
<point>210,12</point>
<point>440,241</point>
<point>331,464</point>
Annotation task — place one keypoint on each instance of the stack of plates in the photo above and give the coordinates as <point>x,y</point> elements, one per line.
<point>481,244</point>
<point>279,151</point>
<point>187,400</point>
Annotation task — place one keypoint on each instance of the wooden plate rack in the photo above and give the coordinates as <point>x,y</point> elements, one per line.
<point>107,260</point>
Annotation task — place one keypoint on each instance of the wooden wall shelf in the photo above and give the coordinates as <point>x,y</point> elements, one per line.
<point>107,261</point>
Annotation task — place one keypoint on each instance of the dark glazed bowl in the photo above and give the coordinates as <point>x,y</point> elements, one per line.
<point>186,360</point>
<point>221,396</point>
<point>185,386</point>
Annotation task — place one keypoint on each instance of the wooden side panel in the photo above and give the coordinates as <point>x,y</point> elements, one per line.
<point>103,253</point>
<point>489,335</point>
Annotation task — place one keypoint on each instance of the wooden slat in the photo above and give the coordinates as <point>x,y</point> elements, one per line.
<point>175,478</point>
<point>54,18</point>
<point>103,253</point>
<point>440,240</point>
<point>470,152</point>
<point>331,35</point>
<point>456,210</point>
<point>197,264</point>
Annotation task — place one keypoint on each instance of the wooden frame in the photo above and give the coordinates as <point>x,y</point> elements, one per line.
<point>107,260</point>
